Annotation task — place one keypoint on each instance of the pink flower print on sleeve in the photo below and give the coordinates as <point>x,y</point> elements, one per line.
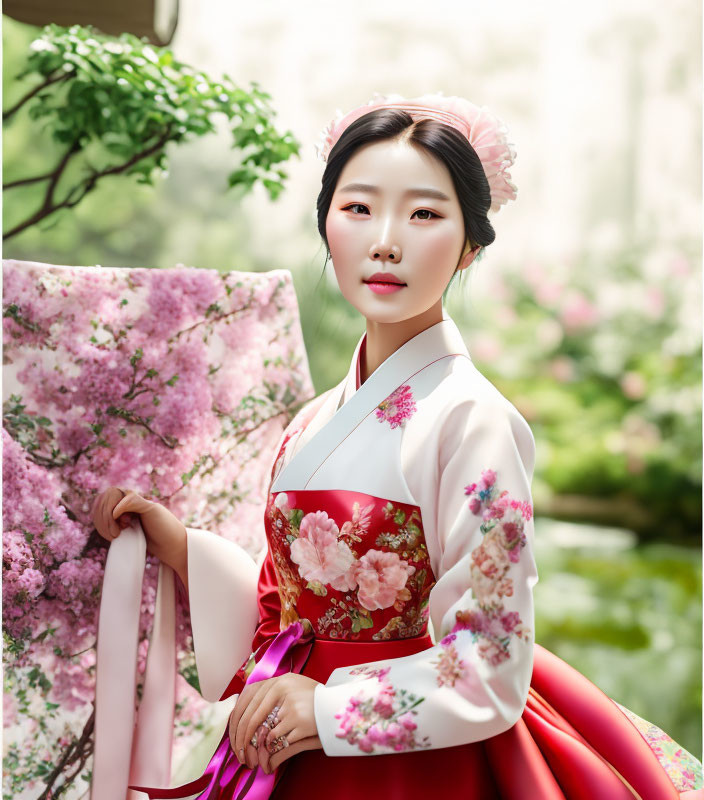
<point>385,719</point>
<point>491,624</point>
<point>398,407</point>
<point>370,672</point>
<point>449,665</point>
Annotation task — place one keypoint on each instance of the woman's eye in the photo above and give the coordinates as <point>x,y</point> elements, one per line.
<point>426,211</point>
<point>354,205</point>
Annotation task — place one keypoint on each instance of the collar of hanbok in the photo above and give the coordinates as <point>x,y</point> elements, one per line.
<point>442,337</point>
<point>348,403</point>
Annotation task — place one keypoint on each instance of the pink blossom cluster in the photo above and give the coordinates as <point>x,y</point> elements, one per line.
<point>449,665</point>
<point>383,720</point>
<point>502,510</point>
<point>492,629</point>
<point>397,407</point>
<point>175,383</point>
<point>378,577</point>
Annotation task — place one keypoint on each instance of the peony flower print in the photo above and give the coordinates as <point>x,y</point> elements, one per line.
<point>319,554</point>
<point>323,558</point>
<point>489,565</point>
<point>381,577</point>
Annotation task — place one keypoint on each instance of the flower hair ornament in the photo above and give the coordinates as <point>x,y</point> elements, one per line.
<point>484,131</point>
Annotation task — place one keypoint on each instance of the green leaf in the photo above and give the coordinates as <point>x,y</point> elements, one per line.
<point>123,95</point>
<point>317,588</point>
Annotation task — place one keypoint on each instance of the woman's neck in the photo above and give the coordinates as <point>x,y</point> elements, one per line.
<point>385,338</point>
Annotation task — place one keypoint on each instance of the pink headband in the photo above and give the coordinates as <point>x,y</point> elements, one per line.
<point>484,131</point>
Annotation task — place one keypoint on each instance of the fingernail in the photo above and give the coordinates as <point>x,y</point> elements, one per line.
<point>241,755</point>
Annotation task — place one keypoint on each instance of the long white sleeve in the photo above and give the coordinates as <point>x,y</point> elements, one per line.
<point>223,591</point>
<point>473,684</point>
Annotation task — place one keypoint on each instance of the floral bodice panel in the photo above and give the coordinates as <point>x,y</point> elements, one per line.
<point>354,565</point>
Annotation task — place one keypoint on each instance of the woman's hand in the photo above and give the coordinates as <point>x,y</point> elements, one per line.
<point>105,523</point>
<point>293,694</point>
<point>114,510</point>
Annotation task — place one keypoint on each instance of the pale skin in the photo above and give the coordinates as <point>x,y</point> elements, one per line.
<point>385,230</point>
<point>385,227</point>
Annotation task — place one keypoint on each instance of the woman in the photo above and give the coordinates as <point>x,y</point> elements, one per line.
<point>400,503</point>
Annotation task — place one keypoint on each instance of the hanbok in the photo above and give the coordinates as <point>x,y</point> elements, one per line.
<point>399,574</point>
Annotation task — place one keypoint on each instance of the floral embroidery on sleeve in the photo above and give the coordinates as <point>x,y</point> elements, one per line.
<point>385,720</point>
<point>449,665</point>
<point>398,407</point>
<point>503,537</point>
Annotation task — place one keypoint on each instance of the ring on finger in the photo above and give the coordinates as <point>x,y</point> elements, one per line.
<point>278,744</point>
<point>273,719</point>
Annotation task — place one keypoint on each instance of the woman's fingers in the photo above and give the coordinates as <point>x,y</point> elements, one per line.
<point>102,513</point>
<point>287,726</point>
<point>121,507</point>
<point>269,746</point>
<point>109,526</point>
<point>124,511</point>
<point>235,716</point>
<point>241,714</point>
<point>257,712</point>
<point>98,517</point>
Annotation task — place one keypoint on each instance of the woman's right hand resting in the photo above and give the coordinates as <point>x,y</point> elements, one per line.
<point>165,533</point>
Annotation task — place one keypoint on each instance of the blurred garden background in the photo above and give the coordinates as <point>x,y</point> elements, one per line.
<point>585,312</point>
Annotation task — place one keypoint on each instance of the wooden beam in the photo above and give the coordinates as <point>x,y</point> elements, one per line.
<point>155,19</point>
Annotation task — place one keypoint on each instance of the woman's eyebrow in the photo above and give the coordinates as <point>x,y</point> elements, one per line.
<point>414,192</point>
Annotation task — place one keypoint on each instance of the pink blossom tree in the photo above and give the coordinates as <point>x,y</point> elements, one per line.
<point>176,383</point>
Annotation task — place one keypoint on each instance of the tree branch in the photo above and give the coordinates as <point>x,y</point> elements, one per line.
<point>49,207</point>
<point>11,111</point>
<point>79,748</point>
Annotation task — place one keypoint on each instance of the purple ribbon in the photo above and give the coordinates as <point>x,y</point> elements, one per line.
<point>224,777</point>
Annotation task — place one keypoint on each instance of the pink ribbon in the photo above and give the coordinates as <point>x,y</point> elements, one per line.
<point>126,749</point>
<point>224,777</point>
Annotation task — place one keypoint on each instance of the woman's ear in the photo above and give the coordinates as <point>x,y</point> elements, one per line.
<point>468,257</point>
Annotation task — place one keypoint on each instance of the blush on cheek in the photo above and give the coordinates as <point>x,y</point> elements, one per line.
<point>338,234</point>
<point>444,243</point>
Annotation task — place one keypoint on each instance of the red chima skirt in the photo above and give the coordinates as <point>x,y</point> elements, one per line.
<point>573,742</point>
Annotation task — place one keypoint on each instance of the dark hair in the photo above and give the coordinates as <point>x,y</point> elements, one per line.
<point>441,141</point>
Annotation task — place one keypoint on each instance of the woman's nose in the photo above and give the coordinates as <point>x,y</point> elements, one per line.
<point>382,252</point>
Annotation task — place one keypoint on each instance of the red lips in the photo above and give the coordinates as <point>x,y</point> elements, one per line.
<point>384,277</point>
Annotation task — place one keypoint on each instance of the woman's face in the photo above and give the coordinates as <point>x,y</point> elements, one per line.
<point>395,211</point>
